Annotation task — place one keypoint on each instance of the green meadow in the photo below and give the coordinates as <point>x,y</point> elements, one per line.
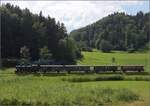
<point>121,58</point>
<point>53,90</point>
<point>111,89</point>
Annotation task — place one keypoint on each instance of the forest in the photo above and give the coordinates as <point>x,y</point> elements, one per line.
<point>23,31</point>
<point>117,31</point>
<point>36,37</point>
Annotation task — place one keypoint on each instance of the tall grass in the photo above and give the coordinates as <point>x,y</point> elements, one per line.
<point>56,90</point>
<point>76,97</point>
<point>126,95</point>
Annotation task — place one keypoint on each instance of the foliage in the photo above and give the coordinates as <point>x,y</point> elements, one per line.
<point>121,30</point>
<point>25,55</point>
<point>45,53</point>
<point>105,46</point>
<point>89,49</point>
<point>21,27</point>
<point>68,51</point>
<point>24,51</point>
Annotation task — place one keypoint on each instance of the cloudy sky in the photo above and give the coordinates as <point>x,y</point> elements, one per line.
<point>76,14</point>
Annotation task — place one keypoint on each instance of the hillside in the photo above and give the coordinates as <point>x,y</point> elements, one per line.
<point>117,31</point>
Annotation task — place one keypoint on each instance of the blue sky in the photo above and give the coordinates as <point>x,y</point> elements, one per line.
<point>76,14</point>
<point>133,9</point>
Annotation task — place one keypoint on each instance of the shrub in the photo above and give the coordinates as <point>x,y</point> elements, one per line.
<point>107,78</point>
<point>138,78</point>
<point>89,49</point>
<point>131,50</point>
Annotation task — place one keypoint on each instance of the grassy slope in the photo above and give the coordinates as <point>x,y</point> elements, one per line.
<point>99,58</point>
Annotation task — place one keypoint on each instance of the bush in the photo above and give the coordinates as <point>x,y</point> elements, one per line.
<point>78,54</point>
<point>89,49</point>
<point>109,78</point>
<point>137,78</point>
<point>105,46</point>
<point>131,50</point>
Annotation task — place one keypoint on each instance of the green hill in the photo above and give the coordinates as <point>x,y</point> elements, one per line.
<point>117,31</point>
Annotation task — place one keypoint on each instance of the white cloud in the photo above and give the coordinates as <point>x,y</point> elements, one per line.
<point>74,14</point>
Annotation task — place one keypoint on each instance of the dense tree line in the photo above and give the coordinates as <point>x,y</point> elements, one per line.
<point>21,28</point>
<point>117,31</point>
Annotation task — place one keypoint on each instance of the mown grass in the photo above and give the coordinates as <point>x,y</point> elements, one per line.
<point>122,58</point>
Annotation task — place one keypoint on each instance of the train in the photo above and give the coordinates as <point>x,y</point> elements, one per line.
<point>35,68</point>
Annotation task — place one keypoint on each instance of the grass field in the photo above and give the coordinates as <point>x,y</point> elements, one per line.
<point>81,90</point>
<point>122,58</point>
<point>54,91</point>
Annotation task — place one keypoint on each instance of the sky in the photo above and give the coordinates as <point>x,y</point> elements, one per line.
<point>76,14</point>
